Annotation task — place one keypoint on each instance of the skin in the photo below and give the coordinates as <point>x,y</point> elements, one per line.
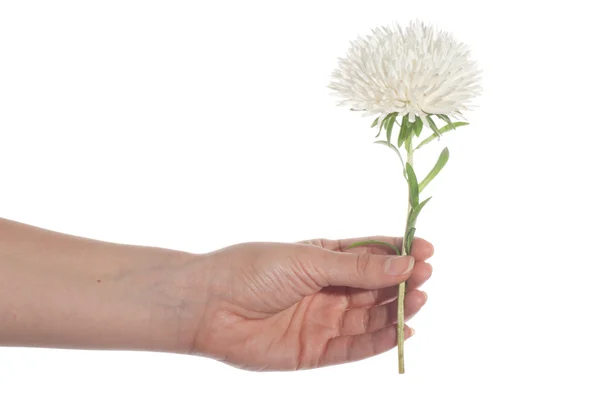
<point>256,306</point>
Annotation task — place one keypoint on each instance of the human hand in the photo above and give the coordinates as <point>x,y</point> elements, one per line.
<point>274,306</point>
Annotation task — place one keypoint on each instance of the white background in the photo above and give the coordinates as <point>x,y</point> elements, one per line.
<point>194,125</point>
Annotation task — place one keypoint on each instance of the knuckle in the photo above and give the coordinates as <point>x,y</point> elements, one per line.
<point>306,268</point>
<point>366,321</point>
<point>363,261</point>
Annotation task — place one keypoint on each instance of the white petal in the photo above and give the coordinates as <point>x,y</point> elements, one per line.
<point>406,71</point>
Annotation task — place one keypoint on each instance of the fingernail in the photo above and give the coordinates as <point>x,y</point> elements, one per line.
<point>399,266</point>
<point>412,331</point>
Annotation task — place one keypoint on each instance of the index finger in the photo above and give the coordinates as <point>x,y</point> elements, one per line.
<point>421,249</point>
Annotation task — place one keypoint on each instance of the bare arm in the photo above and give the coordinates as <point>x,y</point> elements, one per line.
<point>58,290</point>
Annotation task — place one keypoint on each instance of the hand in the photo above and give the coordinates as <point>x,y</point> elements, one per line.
<point>272,306</point>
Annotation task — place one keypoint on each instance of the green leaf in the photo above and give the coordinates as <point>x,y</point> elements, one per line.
<point>418,126</point>
<point>433,126</point>
<point>397,153</point>
<point>373,242</point>
<point>446,119</point>
<point>452,126</point>
<point>441,162</point>
<point>413,186</point>
<point>375,122</point>
<point>408,240</point>
<point>404,131</point>
<point>382,125</point>
<point>424,142</point>
<point>414,213</point>
<point>390,126</point>
<point>442,130</point>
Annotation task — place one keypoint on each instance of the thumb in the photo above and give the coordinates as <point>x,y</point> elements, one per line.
<point>362,270</point>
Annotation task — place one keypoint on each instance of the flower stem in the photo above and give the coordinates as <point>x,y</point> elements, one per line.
<point>402,286</point>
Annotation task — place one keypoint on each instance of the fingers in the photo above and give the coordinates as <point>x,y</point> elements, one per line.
<point>362,270</point>
<point>367,298</point>
<point>353,348</point>
<point>413,302</point>
<point>367,320</point>
<point>421,249</point>
<point>421,274</point>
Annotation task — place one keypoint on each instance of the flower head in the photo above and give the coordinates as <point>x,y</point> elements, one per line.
<point>417,71</point>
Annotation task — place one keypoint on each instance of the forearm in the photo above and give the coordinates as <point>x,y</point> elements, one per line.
<point>58,290</point>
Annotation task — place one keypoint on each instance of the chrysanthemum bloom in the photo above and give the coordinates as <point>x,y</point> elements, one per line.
<point>410,74</point>
<point>416,71</point>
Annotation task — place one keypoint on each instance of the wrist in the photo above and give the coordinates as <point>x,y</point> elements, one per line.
<point>167,303</point>
<point>178,298</point>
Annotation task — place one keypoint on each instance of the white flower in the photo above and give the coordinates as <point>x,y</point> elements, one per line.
<point>415,71</point>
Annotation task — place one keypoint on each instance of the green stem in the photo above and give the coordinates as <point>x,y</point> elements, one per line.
<point>402,286</point>
<point>373,242</point>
